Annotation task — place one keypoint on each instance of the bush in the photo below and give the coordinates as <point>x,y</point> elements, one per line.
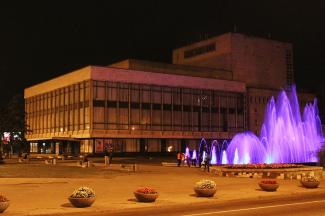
<point>83,192</point>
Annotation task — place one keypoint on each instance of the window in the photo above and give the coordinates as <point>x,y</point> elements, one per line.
<point>200,50</point>
<point>33,147</point>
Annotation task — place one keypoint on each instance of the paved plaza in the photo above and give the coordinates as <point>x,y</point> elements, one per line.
<point>37,188</point>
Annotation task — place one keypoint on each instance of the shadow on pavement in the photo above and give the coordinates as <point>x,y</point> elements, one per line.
<point>67,205</point>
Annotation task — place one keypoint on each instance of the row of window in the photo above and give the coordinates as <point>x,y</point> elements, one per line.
<point>64,109</point>
<point>131,106</point>
<point>145,107</point>
<point>259,100</point>
<point>200,50</point>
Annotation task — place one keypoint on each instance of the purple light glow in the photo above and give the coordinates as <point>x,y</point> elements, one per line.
<point>285,137</point>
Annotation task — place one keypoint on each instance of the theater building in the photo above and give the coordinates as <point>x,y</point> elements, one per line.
<point>213,89</point>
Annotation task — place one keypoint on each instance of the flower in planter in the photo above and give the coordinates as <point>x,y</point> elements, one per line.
<point>146,190</point>
<point>146,194</point>
<point>269,181</point>
<point>310,179</point>
<point>4,203</point>
<point>3,198</point>
<point>205,184</point>
<point>83,192</point>
<point>269,184</point>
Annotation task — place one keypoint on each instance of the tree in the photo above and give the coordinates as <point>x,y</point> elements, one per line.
<point>12,120</point>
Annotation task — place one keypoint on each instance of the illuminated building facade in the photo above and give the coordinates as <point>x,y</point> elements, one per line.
<point>140,106</point>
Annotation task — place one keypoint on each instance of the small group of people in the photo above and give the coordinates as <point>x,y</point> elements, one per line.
<point>180,158</point>
<point>183,158</point>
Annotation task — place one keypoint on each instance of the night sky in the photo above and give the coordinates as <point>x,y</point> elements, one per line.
<point>43,39</point>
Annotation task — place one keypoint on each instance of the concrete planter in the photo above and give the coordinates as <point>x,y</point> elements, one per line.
<point>310,184</point>
<point>145,197</point>
<point>205,192</point>
<point>82,202</point>
<point>268,187</point>
<point>3,206</point>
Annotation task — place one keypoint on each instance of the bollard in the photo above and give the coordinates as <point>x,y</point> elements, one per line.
<point>106,160</point>
<point>54,161</point>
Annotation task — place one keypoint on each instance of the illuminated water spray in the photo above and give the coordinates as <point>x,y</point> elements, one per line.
<point>285,136</point>
<point>224,158</point>
<point>213,152</point>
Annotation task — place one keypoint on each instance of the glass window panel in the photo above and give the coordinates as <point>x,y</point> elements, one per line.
<point>156,95</point>
<point>177,120</point>
<point>135,116</point>
<point>99,93</point>
<point>123,121</point>
<point>135,94</point>
<point>167,119</point>
<point>145,119</point>
<point>156,119</point>
<point>145,98</point>
<point>112,93</point>
<point>99,114</point>
<point>167,96</point>
<point>177,96</point>
<point>124,92</point>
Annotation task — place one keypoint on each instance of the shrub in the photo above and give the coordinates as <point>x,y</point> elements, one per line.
<point>83,192</point>
<point>205,184</point>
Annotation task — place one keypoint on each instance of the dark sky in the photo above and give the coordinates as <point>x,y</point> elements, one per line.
<point>43,39</point>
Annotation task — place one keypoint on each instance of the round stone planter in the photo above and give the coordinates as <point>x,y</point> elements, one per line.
<point>205,192</point>
<point>309,184</point>
<point>82,202</point>
<point>144,197</point>
<point>3,206</point>
<point>268,187</point>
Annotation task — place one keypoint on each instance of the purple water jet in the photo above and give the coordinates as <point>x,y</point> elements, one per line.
<point>224,158</point>
<point>285,137</point>
<point>213,152</point>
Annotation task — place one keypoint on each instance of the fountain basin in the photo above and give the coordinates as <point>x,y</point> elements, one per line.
<point>281,173</point>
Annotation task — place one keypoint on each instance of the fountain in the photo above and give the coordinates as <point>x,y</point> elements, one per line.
<point>285,137</point>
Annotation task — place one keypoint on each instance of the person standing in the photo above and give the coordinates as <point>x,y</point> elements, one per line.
<point>110,154</point>
<point>183,158</point>
<point>106,155</point>
<point>179,159</point>
<point>188,160</point>
<point>207,162</point>
<point>193,161</point>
